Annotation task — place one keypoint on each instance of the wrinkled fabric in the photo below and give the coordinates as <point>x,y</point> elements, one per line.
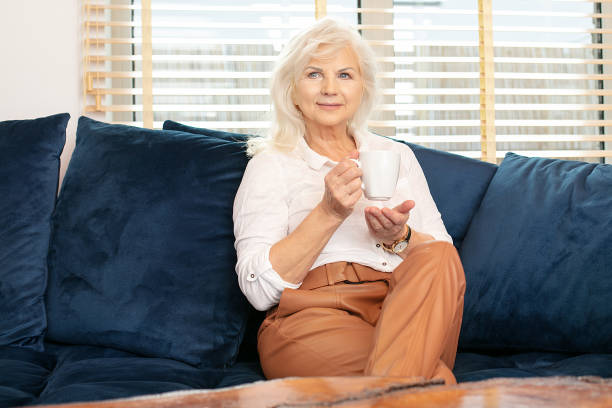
<point>23,375</point>
<point>29,171</point>
<point>359,321</point>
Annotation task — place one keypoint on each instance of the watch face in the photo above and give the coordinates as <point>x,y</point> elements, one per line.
<point>400,246</point>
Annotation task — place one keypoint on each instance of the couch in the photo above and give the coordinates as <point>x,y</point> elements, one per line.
<point>123,284</point>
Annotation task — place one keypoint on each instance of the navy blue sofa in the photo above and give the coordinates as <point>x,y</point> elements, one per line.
<point>124,283</point>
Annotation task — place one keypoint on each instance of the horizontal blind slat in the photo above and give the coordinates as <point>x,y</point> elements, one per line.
<point>394,91</point>
<point>385,107</point>
<point>399,10</point>
<point>498,123</point>
<point>399,60</point>
<point>399,43</point>
<point>389,27</point>
<point>528,138</point>
<point>398,74</point>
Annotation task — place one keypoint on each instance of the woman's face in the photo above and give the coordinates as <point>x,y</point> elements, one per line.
<point>328,92</point>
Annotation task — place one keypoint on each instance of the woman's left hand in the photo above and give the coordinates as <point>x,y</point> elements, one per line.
<point>387,224</point>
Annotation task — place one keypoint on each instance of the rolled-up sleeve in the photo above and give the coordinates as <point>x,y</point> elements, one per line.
<point>260,220</point>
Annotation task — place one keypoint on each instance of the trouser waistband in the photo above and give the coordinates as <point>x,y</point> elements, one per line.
<point>335,272</point>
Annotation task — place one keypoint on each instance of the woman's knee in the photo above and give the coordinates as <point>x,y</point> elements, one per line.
<point>450,261</point>
<point>448,265</point>
<point>434,258</point>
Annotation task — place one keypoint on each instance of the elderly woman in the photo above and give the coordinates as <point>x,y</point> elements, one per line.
<point>350,288</point>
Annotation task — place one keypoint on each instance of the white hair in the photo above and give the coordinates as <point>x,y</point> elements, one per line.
<point>287,124</point>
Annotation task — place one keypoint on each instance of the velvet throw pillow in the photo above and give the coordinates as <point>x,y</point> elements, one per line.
<point>538,259</point>
<point>457,185</point>
<point>142,255</point>
<point>248,348</point>
<point>29,171</point>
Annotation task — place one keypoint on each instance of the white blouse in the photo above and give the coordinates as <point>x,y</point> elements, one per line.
<point>278,190</point>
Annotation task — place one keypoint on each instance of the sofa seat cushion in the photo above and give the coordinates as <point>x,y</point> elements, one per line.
<point>476,367</point>
<point>23,375</point>
<point>537,259</point>
<point>87,373</point>
<point>142,254</point>
<point>99,378</point>
<point>241,373</point>
<point>29,172</point>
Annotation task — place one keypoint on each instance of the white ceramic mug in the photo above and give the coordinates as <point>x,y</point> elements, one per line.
<point>380,172</point>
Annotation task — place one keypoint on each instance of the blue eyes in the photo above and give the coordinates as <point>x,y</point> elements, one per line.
<point>316,75</point>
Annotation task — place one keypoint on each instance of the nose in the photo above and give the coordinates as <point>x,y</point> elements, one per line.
<point>329,86</point>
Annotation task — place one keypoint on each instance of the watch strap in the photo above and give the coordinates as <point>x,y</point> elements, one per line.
<point>405,237</point>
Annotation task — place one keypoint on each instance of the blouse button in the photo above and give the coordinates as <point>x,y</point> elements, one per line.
<point>384,264</point>
<point>377,245</point>
<point>251,277</point>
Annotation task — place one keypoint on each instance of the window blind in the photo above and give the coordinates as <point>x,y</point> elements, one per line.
<point>551,98</point>
<point>478,81</point>
<point>210,62</point>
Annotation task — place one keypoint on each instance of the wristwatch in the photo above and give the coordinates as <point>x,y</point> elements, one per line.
<point>400,244</point>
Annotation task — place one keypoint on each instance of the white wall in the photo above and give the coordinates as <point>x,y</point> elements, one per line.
<point>40,71</point>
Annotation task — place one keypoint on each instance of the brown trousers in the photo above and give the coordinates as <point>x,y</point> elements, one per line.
<point>348,319</point>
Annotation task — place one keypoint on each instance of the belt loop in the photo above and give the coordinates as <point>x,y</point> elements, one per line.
<point>351,273</point>
<point>330,277</point>
<point>356,271</point>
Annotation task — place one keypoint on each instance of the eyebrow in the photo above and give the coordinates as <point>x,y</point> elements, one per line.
<point>321,69</point>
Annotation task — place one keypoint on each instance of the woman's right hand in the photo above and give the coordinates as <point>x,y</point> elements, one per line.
<point>342,188</point>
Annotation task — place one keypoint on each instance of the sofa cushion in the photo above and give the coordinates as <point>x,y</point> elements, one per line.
<point>237,137</point>
<point>142,256</point>
<point>477,367</point>
<point>241,373</point>
<point>457,185</point>
<point>89,373</point>
<point>248,348</point>
<point>537,259</point>
<point>23,375</point>
<point>29,170</point>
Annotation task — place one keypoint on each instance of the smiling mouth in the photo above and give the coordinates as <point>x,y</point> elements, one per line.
<point>329,105</point>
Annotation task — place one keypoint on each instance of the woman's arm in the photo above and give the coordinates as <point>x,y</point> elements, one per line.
<point>270,259</point>
<point>293,256</point>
